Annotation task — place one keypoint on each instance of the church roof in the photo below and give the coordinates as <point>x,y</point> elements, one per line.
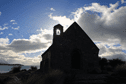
<point>74,29</point>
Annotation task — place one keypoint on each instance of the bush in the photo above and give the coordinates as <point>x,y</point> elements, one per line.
<point>110,65</point>
<point>108,68</point>
<point>120,70</point>
<point>33,68</point>
<point>53,76</point>
<point>118,76</point>
<point>95,71</point>
<point>45,78</point>
<point>1,81</point>
<point>23,70</point>
<point>116,62</point>
<point>103,62</point>
<point>16,69</point>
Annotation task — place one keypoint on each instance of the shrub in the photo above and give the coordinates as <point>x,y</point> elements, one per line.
<point>108,68</point>
<point>16,69</point>
<point>68,78</point>
<point>118,76</point>
<point>95,71</point>
<point>120,70</point>
<point>45,78</point>
<point>33,68</point>
<point>23,70</point>
<point>53,76</point>
<point>103,62</point>
<point>116,62</point>
<point>1,81</point>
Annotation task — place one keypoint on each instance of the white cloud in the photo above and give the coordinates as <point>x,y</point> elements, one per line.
<point>2,60</point>
<point>4,41</point>
<point>112,52</point>
<point>12,20</point>
<point>10,34</point>
<point>77,14</point>
<point>16,28</point>
<point>104,10</point>
<point>45,31</point>
<point>1,33</point>
<point>26,46</point>
<point>52,9</point>
<point>8,56</point>
<point>14,23</point>
<point>0,13</point>
<point>122,1</point>
<point>4,26</point>
<point>62,19</point>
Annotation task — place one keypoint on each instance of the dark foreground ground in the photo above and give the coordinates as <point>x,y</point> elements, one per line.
<point>59,77</point>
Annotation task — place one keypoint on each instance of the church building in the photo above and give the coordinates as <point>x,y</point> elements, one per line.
<point>70,50</point>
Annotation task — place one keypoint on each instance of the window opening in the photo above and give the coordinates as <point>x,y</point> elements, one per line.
<point>58,32</point>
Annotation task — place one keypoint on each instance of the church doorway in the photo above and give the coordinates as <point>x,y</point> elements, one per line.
<point>75,59</point>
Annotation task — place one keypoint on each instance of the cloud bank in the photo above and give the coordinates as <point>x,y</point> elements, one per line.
<point>13,52</point>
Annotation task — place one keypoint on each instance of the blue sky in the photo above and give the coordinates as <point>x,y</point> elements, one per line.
<point>26,26</point>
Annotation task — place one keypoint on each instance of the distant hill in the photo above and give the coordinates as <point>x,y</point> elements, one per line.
<point>4,62</point>
<point>12,64</point>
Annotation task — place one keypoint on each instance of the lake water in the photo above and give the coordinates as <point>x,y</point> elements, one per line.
<point>6,68</point>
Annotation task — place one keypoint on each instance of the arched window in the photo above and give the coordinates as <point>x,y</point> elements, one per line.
<point>58,32</point>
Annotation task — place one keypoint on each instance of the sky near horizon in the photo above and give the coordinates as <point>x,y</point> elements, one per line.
<point>26,26</point>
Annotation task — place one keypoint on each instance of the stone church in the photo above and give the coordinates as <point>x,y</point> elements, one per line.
<point>70,50</point>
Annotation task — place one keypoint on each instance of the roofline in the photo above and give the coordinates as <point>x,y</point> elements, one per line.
<point>46,51</point>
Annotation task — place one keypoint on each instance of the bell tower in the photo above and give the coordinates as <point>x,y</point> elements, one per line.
<point>57,32</point>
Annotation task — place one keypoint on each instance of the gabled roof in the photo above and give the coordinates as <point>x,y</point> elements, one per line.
<point>74,28</point>
<point>46,51</point>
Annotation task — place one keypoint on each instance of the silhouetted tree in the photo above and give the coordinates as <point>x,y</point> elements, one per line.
<point>33,68</point>
<point>103,62</point>
<point>116,62</point>
<point>23,70</point>
<point>16,69</point>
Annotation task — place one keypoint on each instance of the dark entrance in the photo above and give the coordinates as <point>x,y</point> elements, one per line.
<point>75,59</point>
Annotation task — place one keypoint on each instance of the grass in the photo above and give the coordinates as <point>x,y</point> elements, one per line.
<point>59,77</point>
<point>35,76</point>
<point>120,70</point>
<point>45,78</point>
<point>95,70</point>
<point>118,76</point>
